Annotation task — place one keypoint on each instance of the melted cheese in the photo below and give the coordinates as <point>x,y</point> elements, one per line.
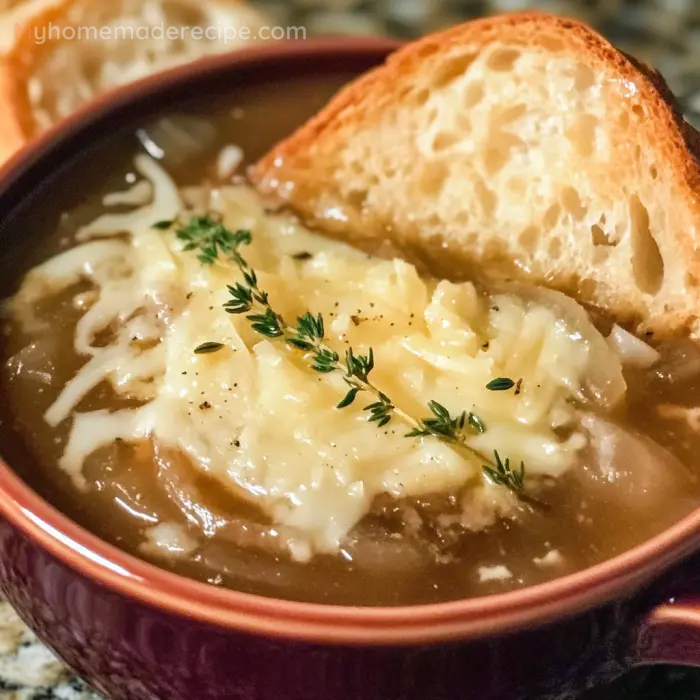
<point>254,415</point>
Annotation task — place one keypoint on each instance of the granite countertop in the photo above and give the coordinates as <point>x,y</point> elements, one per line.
<point>664,33</point>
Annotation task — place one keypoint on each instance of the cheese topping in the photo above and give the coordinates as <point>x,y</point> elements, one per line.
<point>254,415</point>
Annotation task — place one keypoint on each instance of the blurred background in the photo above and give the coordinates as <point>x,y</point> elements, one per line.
<point>664,33</point>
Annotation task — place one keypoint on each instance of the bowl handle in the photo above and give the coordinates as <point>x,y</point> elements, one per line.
<point>669,632</point>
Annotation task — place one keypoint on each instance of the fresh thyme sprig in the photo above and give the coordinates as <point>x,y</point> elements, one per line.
<point>211,238</point>
<point>512,479</point>
<point>504,475</point>
<point>444,425</point>
<point>450,429</point>
<point>207,235</point>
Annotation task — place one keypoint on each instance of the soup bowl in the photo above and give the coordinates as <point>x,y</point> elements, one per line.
<point>137,632</point>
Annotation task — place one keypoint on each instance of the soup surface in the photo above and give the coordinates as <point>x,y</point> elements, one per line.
<point>337,427</point>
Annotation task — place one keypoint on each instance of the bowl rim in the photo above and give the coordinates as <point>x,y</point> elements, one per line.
<point>113,568</point>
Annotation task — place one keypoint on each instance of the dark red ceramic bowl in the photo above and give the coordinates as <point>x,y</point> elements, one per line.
<point>136,632</point>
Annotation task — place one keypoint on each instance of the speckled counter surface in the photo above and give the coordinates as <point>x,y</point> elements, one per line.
<point>28,671</point>
<point>664,33</point>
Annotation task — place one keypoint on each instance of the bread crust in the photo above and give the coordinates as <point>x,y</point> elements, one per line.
<point>675,139</point>
<point>18,123</point>
<point>13,124</point>
<point>528,29</point>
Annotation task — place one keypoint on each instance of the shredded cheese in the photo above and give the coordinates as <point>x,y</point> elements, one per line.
<point>494,573</point>
<point>255,417</point>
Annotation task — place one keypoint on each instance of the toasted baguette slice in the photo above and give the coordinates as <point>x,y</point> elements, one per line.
<point>45,75</point>
<point>14,13</point>
<point>523,145</point>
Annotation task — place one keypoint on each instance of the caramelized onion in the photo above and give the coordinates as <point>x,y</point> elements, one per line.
<point>383,552</point>
<point>34,361</point>
<point>631,350</point>
<point>630,469</point>
<point>175,139</point>
<point>680,362</point>
<point>178,477</point>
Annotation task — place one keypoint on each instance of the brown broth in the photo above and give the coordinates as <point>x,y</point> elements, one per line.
<point>589,521</point>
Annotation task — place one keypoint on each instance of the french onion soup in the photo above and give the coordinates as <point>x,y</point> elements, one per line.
<point>211,386</point>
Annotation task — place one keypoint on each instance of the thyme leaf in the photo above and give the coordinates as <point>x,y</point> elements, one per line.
<point>207,348</point>
<point>162,225</point>
<point>504,475</point>
<point>349,398</point>
<point>210,237</point>
<point>215,243</point>
<point>267,323</point>
<point>475,422</point>
<point>500,384</point>
<point>441,425</point>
